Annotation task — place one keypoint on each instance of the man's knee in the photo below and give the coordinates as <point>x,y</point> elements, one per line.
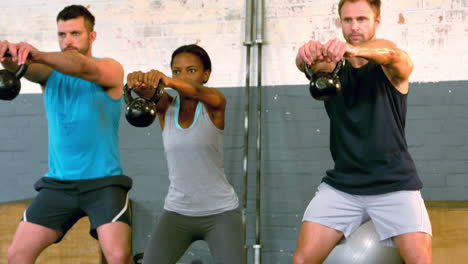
<point>121,256</point>
<point>18,255</point>
<point>301,257</point>
<point>420,260</point>
<point>415,248</point>
<point>421,257</point>
<point>12,254</point>
<point>298,258</point>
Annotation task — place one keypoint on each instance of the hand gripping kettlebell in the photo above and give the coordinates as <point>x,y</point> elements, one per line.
<point>141,112</point>
<point>324,85</point>
<point>10,84</point>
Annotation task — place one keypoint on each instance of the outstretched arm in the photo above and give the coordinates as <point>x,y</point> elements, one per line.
<point>396,63</point>
<point>212,97</point>
<point>105,72</point>
<point>36,72</point>
<point>145,85</point>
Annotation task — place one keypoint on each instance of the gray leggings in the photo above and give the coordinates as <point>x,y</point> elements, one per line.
<point>175,233</point>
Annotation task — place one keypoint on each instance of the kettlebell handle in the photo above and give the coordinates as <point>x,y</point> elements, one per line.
<point>339,66</point>
<point>309,73</point>
<point>127,94</point>
<point>155,98</point>
<point>21,70</point>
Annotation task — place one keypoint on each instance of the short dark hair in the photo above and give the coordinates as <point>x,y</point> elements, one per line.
<point>75,11</point>
<point>195,50</point>
<point>374,4</point>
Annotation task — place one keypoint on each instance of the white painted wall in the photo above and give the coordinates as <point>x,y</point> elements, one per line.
<point>142,34</point>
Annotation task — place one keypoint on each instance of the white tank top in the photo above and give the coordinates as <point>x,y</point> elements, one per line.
<point>195,158</point>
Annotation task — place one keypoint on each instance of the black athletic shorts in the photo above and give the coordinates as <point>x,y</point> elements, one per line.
<point>60,204</point>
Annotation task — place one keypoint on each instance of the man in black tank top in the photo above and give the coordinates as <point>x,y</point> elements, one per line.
<point>367,143</point>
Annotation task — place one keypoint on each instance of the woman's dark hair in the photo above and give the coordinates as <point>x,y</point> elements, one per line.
<point>195,50</point>
<point>75,11</point>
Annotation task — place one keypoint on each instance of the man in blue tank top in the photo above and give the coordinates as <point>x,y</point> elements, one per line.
<point>82,98</point>
<point>374,176</point>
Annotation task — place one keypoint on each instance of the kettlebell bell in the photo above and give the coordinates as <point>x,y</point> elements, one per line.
<point>10,84</point>
<point>141,112</point>
<point>324,85</point>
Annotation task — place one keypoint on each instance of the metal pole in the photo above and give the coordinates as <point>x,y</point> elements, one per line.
<point>248,43</point>
<point>257,246</point>
<point>259,41</point>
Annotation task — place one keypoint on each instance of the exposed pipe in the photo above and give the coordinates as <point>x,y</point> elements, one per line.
<point>259,41</point>
<point>248,43</point>
<point>259,22</point>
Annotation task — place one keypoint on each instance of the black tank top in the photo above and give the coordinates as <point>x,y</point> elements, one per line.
<point>367,135</point>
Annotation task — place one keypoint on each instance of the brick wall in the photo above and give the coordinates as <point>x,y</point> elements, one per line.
<point>142,34</point>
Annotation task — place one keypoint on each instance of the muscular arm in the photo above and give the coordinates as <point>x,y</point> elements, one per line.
<point>36,72</point>
<point>105,72</point>
<point>396,64</point>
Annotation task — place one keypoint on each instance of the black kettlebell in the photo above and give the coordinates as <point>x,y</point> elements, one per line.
<point>141,112</point>
<point>10,84</point>
<point>324,85</point>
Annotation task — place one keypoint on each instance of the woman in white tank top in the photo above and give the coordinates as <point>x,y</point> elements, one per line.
<point>200,204</point>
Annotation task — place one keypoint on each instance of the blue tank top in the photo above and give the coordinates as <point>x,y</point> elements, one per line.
<point>83,123</point>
